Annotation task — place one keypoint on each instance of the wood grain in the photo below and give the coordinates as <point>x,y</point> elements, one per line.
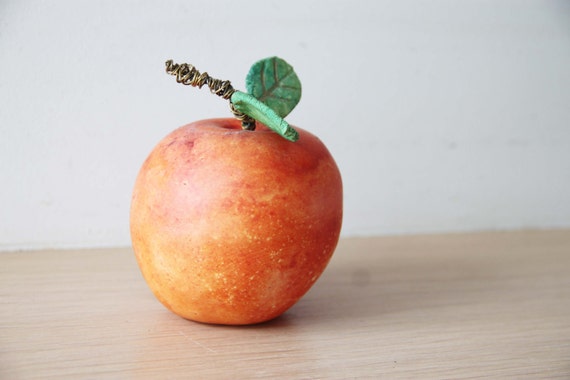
<point>463,306</point>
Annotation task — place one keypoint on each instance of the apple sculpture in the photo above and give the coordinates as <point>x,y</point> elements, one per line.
<point>234,219</point>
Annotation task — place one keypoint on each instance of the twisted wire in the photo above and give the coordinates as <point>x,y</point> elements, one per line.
<point>246,121</point>
<point>188,75</point>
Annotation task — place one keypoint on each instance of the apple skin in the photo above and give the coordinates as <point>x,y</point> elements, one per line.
<point>232,226</point>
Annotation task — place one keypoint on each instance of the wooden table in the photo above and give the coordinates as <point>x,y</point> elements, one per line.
<point>485,305</point>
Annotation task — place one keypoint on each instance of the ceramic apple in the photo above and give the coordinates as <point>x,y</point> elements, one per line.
<point>232,225</point>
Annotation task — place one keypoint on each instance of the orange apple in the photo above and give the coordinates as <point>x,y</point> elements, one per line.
<point>231,226</point>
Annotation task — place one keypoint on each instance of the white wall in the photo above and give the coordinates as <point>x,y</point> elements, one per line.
<point>442,115</point>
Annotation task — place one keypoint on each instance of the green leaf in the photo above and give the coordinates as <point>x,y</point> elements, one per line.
<point>256,109</point>
<point>273,81</point>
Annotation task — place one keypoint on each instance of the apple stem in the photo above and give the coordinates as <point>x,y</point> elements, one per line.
<point>190,76</point>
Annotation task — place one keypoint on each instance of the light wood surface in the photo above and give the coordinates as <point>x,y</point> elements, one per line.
<point>486,305</point>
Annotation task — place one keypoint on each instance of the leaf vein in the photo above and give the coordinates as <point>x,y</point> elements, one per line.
<point>268,91</point>
<point>262,77</point>
<point>275,77</point>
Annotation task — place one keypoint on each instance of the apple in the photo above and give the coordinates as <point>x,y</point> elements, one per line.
<point>233,226</point>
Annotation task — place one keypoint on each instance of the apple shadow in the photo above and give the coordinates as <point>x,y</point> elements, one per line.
<point>386,282</point>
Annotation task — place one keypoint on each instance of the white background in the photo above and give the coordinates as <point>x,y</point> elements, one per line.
<point>442,115</point>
